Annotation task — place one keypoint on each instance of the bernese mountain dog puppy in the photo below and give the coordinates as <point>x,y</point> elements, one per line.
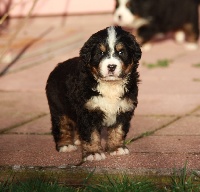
<point>151,17</point>
<point>96,90</point>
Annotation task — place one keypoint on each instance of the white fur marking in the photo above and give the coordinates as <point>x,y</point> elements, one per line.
<point>103,156</point>
<point>95,157</point>
<point>179,36</point>
<point>111,39</point>
<point>120,151</point>
<point>191,46</point>
<point>110,101</point>
<point>123,15</point>
<point>89,158</point>
<point>68,148</point>
<point>77,142</point>
<point>110,59</point>
<point>104,68</point>
<point>146,47</point>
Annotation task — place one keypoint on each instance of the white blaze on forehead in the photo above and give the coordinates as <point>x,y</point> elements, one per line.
<point>111,39</point>
<point>110,59</point>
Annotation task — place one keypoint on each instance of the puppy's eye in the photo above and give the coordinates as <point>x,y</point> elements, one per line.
<point>120,52</point>
<point>102,53</point>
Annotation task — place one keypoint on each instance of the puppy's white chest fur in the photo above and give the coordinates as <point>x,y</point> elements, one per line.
<point>109,101</point>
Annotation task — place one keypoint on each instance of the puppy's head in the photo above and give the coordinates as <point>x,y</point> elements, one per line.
<point>122,15</point>
<point>133,13</point>
<point>111,54</point>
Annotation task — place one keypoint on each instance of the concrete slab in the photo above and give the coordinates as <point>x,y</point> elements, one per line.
<point>33,150</point>
<point>20,107</point>
<point>171,80</point>
<point>31,79</point>
<point>166,144</point>
<point>38,126</point>
<point>197,112</point>
<point>170,50</point>
<point>147,164</point>
<point>162,104</point>
<point>26,150</point>
<point>142,125</point>
<point>139,125</point>
<point>189,125</point>
<point>168,101</point>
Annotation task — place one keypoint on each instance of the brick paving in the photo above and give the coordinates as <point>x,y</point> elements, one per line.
<point>165,131</point>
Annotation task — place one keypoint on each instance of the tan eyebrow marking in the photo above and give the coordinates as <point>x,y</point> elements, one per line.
<point>102,47</point>
<point>119,46</point>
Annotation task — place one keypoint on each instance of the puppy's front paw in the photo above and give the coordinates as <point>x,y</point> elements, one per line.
<point>95,157</point>
<point>67,148</point>
<point>120,151</point>
<point>77,142</point>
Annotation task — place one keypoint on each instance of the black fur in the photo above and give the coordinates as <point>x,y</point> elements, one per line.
<point>165,16</point>
<point>73,83</point>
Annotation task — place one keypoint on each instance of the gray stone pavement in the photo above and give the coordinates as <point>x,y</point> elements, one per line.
<point>164,133</point>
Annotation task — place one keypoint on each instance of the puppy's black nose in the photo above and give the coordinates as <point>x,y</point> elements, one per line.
<point>112,67</point>
<point>119,17</point>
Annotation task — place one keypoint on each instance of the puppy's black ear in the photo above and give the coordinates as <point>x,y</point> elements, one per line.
<point>87,49</point>
<point>134,47</point>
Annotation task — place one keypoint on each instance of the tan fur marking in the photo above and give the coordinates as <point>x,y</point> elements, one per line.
<point>115,138</point>
<point>94,146</point>
<point>102,47</point>
<point>128,69</point>
<point>139,39</point>
<point>66,131</point>
<point>119,46</point>
<point>190,35</point>
<point>128,4</point>
<point>95,72</point>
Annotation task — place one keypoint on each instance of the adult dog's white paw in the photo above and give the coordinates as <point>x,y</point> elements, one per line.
<point>146,47</point>
<point>191,46</point>
<point>95,157</point>
<point>120,151</point>
<point>179,36</point>
<point>68,148</point>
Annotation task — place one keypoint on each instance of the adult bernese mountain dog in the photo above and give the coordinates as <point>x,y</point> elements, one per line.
<point>151,17</point>
<point>96,90</point>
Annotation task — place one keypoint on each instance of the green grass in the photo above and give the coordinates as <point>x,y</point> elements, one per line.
<point>162,63</point>
<point>122,184</point>
<point>179,182</point>
<point>35,185</point>
<point>196,79</point>
<point>113,184</point>
<point>196,65</point>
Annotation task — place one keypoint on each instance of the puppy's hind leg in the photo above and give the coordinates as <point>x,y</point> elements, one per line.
<point>62,130</point>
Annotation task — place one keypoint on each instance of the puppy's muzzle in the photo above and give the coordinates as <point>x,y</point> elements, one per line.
<point>111,68</point>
